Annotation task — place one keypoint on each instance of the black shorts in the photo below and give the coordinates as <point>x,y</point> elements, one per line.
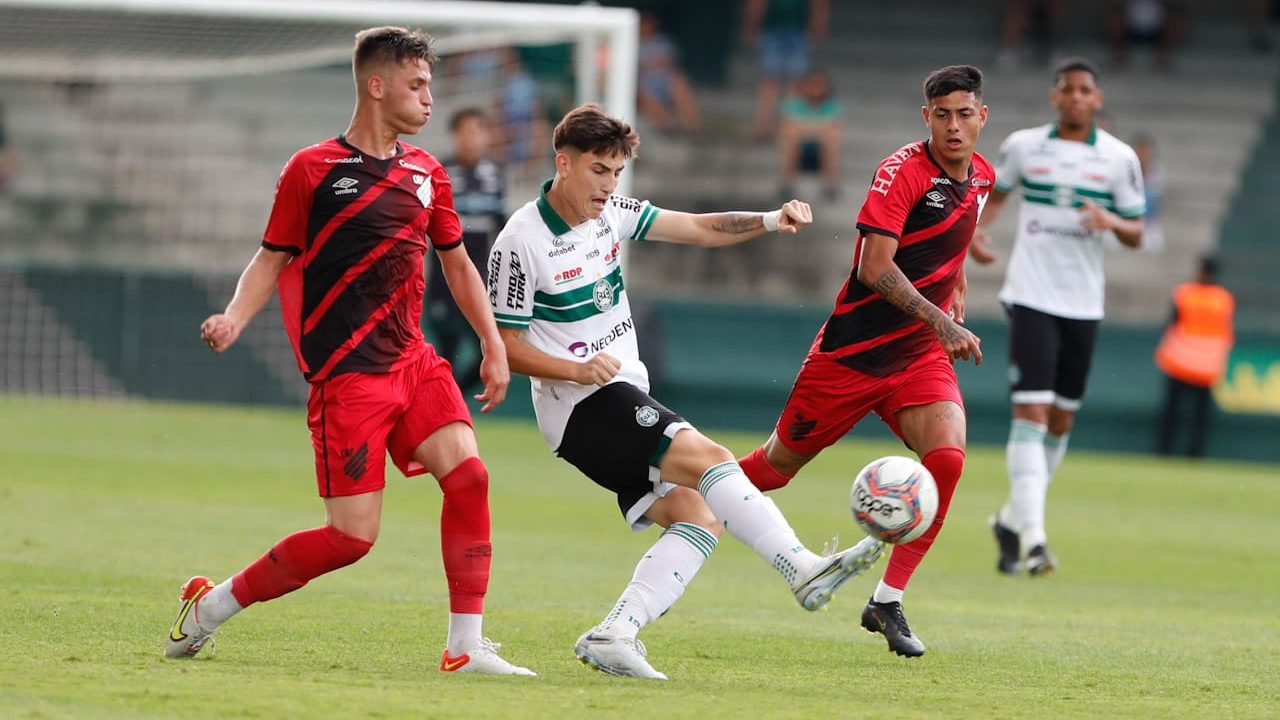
<point>1049,357</point>
<point>617,437</point>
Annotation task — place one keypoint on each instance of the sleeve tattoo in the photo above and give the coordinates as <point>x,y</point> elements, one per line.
<point>737,223</point>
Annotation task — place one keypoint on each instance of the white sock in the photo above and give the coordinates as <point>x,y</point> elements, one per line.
<point>660,579</point>
<point>886,594</point>
<point>1055,449</point>
<point>464,633</point>
<point>218,606</point>
<point>755,521</point>
<point>1028,480</point>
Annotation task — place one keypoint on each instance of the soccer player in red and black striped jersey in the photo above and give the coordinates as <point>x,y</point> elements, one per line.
<point>353,219</point>
<point>897,327</point>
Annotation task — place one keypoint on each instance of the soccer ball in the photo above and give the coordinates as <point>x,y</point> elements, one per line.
<point>894,499</point>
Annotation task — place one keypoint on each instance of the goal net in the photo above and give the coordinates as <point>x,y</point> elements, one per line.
<point>148,134</point>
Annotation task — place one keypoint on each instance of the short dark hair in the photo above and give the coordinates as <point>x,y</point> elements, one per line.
<point>587,128</point>
<point>464,114</point>
<point>944,81</point>
<point>1209,267</point>
<point>1071,64</point>
<point>390,44</point>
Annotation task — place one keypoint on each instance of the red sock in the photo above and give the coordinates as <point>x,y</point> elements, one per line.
<point>464,535</point>
<point>946,464</point>
<point>294,562</point>
<point>760,472</point>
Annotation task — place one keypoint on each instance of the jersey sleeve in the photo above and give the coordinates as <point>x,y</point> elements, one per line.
<point>510,284</point>
<point>287,227</point>
<point>892,194</point>
<point>633,217</point>
<point>1008,166</point>
<point>1127,186</point>
<point>444,228</point>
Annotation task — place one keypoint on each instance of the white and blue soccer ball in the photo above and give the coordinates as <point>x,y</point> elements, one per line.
<point>894,499</point>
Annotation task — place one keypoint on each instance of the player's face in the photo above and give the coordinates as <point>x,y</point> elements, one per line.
<point>1076,97</point>
<point>406,97</point>
<point>589,180</point>
<point>955,120</point>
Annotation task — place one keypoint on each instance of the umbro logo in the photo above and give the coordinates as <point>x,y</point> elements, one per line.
<point>935,199</point>
<point>346,186</point>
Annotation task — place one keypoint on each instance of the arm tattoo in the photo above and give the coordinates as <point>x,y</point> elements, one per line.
<point>893,286</point>
<point>737,223</point>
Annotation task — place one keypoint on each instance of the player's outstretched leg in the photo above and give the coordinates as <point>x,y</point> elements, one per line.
<point>756,521</point>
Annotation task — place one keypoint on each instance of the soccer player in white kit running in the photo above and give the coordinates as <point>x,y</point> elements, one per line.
<point>555,283</point>
<point>1078,184</point>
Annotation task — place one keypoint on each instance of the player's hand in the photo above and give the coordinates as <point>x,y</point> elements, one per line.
<point>1094,217</point>
<point>495,375</point>
<point>981,247</point>
<point>796,214</point>
<point>959,343</point>
<point>599,370</point>
<point>219,332</point>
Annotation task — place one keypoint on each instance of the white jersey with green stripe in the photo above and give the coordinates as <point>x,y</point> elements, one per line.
<point>563,286</point>
<point>1056,264</point>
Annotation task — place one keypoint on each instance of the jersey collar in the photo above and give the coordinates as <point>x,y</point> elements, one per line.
<point>554,222</point>
<point>928,151</point>
<point>1090,139</point>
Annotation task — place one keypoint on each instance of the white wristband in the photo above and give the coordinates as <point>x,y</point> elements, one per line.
<point>770,220</point>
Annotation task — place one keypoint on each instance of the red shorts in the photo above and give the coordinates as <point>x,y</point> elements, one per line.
<point>828,398</point>
<point>357,418</point>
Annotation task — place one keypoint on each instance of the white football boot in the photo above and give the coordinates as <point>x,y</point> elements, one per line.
<point>484,660</point>
<point>834,570</point>
<point>187,637</point>
<point>625,657</point>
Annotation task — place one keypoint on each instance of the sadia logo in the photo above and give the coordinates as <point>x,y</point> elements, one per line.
<point>579,349</point>
<point>646,416</point>
<point>602,294</point>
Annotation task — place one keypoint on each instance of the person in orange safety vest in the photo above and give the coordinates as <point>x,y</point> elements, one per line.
<point>1193,356</point>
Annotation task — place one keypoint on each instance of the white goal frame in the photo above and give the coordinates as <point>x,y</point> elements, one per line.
<point>489,24</point>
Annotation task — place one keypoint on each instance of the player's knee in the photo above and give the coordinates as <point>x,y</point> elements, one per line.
<point>346,548</point>
<point>470,477</point>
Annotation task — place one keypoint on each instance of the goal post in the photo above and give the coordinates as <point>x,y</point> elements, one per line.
<point>458,25</point>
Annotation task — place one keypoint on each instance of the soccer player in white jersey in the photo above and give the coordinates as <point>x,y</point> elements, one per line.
<point>556,286</point>
<point>1079,184</point>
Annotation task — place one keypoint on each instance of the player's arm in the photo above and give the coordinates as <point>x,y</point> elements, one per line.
<point>1128,230</point>
<point>727,228</point>
<point>878,271</point>
<point>525,359</point>
<point>257,283</point>
<point>469,293</point>
<point>982,247</point>
<point>959,297</point>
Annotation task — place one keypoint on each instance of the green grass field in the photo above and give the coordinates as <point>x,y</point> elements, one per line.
<point>1167,605</point>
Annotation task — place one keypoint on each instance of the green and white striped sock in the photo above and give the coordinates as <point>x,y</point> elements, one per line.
<point>756,522</point>
<point>660,579</point>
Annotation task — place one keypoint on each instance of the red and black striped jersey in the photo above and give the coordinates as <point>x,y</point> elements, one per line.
<point>933,216</point>
<point>358,227</point>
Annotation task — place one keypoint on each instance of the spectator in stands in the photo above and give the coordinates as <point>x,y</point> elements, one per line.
<point>810,135</point>
<point>479,196</point>
<point>665,96</point>
<point>785,31</point>
<point>520,110</point>
<point>1193,356</point>
<point>1037,20</point>
<point>1159,24</point>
